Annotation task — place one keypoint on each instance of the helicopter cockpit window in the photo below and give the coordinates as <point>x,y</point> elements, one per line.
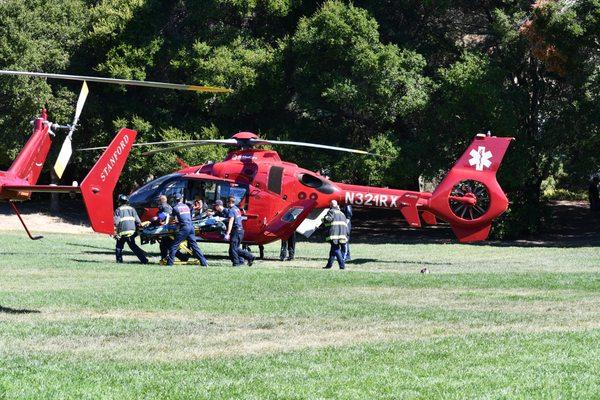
<point>210,192</point>
<point>224,190</point>
<point>173,188</point>
<point>238,192</point>
<point>148,194</point>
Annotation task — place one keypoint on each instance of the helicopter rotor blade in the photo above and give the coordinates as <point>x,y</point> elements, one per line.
<point>141,144</point>
<point>241,143</point>
<point>199,142</point>
<point>128,82</point>
<point>189,144</point>
<point>313,145</point>
<point>67,148</point>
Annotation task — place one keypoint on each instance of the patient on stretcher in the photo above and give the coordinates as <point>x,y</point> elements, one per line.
<point>207,222</point>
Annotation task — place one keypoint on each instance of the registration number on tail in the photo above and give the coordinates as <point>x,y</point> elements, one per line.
<point>370,199</point>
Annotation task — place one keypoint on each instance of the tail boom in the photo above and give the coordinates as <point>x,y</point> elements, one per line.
<point>98,186</point>
<point>469,198</point>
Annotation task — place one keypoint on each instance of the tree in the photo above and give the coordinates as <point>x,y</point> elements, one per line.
<point>35,35</point>
<point>347,87</point>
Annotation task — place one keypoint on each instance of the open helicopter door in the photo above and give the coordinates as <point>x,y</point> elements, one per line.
<point>312,222</point>
<point>286,222</point>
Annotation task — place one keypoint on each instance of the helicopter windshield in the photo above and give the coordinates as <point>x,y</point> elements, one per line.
<point>148,194</point>
<point>169,185</point>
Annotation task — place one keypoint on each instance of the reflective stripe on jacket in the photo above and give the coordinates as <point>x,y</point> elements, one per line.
<point>126,221</point>
<point>338,229</point>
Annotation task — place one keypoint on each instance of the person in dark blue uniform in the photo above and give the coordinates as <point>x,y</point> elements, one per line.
<point>347,210</point>
<point>235,235</point>
<point>220,210</point>
<point>288,247</point>
<point>164,206</point>
<point>186,232</point>
<point>162,218</point>
<point>126,222</point>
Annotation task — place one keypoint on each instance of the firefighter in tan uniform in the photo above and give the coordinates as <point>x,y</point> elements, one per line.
<point>338,235</point>
<point>126,222</point>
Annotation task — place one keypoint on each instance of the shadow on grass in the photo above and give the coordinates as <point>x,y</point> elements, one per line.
<point>8,310</point>
<point>359,261</point>
<point>88,246</point>
<point>80,260</point>
<point>106,252</point>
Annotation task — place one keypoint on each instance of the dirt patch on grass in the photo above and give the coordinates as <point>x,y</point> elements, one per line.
<point>38,222</point>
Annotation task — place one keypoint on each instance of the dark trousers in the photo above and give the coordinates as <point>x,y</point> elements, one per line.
<point>347,246</point>
<point>347,249</point>
<point>236,253</point>
<point>186,233</point>
<point>261,250</point>
<point>165,246</point>
<point>130,240</point>
<point>336,252</point>
<point>288,247</point>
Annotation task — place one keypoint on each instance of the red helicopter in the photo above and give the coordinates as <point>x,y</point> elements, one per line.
<point>19,182</point>
<point>280,197</point>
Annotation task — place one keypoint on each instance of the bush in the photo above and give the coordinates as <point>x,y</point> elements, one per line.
<point>522,219</point>
<point>565,194</point>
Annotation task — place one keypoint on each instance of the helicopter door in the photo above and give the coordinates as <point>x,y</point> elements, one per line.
<point>224,190</point>
<point>210,191</point>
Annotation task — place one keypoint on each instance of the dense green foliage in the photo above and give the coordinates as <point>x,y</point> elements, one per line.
<point>488,322</point>
<point>412,79</point>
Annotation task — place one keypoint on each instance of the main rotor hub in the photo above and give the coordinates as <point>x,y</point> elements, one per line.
<point>245,136</point>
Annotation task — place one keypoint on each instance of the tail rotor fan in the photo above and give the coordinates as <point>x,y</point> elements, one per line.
<point>473,190</point>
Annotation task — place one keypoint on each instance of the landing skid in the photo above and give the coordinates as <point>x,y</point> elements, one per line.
<point>16,210</point>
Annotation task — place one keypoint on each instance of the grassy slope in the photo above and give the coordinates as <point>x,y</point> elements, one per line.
<point>488,322</point>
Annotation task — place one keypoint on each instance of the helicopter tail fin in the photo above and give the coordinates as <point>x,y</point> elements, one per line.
<point>28,164</point>
<point>98,186</point>
<point>469,197</point>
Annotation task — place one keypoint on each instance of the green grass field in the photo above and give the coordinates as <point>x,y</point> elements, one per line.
<point>488,322</point>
